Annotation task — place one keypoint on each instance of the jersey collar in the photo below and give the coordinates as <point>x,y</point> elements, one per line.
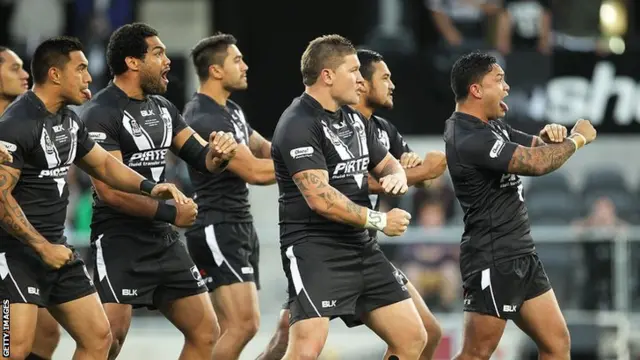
<point>469,119</point>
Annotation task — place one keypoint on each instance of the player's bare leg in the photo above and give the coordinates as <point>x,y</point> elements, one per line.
<point>196,320</point>
<point>86,322</point>
<point>549,332</point>
<point>307,338</point>
<point>400,326</point>
<point>278,344</point>
<point>481,336</point>
<point>47,335</point>
<point>119,316</point>
<point>236,306</point>
<point>431,325</point>
<point>23,318</point>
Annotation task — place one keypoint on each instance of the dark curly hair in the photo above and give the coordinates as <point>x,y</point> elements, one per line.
<point>128,40</point>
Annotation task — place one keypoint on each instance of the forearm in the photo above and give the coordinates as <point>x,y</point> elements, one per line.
<point>264,172</point>
<point>537,141</point>
<point>16,223</point>
<point>130,204</point>
<point>117,175</point>
<point>335,206</point>
<point>374,185</point>
<point>541,160</point>
<point>326,201</point>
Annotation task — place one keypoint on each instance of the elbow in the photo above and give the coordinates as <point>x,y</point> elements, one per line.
<point>315,206</point>
<point>106,195</point>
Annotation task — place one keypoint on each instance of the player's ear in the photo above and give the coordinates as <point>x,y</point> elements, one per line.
<point>327,75</point>
<point>132,63</point>
<point>55,75</point>
<point>216,71</point>
<point>475,90</point>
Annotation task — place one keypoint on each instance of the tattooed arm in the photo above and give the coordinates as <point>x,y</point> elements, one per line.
<point>13,219</point>
<point>325,200</point>
<point>540,160</point>
<point>537,142</point>
<point>260,147</point>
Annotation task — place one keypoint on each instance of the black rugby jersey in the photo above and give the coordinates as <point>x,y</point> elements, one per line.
<point>143,131</point>
<point>309,137</point>
<point>44,146</point>
<point>496,223</point>
<point>222,197</point>
<point>389,136</point>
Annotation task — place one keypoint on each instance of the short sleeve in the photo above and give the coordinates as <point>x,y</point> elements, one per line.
<point>518,136</point>
<point>102,127</point>
<point>85,143</point>
<point>377,151</point>
<point>485,150</point>
<point>244,120</point>
<point>205,123</point>
<point>300,146</point>
<point>397,144</point>
<point>18,141</point>
<point>177,121</point>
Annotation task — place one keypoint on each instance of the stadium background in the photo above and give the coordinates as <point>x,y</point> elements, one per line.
<point>584,217</point>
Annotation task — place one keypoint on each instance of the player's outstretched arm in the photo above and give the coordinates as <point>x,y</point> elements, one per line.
<point>251,169</point>
<point>13,219</point>
<point>325,200</point>
<point>205,157</point>
<point>433,165</point>
<point>541,160</point>
<point>138,205</point>
<point>391,176</point>
<point>101,165</point>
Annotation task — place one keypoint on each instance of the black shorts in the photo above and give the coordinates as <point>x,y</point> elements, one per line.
<point>328,278</point>
<point>130,270</point>
<point>502,289</point>
<point>225,253</point>
<point>25,278</point>
<point>405,280</point>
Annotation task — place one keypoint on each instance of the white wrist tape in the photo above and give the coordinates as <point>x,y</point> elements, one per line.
<point>375,220</point>
<point>576,143</point>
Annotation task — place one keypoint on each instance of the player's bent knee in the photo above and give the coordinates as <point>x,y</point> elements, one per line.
<point>205,335</point>
<point>560,347</point>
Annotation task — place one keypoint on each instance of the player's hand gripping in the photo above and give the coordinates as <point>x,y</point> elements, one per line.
<point>394,185</point>
<point>186,214</point>
<point>586,129</point>
<point>553,133</point>
<point>5,155</point>
<point>168,191</point>
<point>410,160</point>
<point>397,222</point>
<point>55,255</point>
<point>223,144</point>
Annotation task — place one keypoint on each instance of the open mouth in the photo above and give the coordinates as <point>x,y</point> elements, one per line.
<point>164,76</point>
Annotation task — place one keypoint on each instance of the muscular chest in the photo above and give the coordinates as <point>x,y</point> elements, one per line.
<point>146,133</point>
<point>345,148</point>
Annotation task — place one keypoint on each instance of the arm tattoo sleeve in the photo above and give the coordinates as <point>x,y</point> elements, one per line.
<point>326,200</point>
<point>540,160</point>
<point>537,141</point>
<point>13,219</point>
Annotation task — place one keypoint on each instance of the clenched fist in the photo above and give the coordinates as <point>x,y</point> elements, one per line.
<point>410,160</point>
<point>186,214</point>
<point>586,129</point>
<point>553,133</point>
<point>397,222</point>
<point>223,144</point>
<point>55,255</point>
